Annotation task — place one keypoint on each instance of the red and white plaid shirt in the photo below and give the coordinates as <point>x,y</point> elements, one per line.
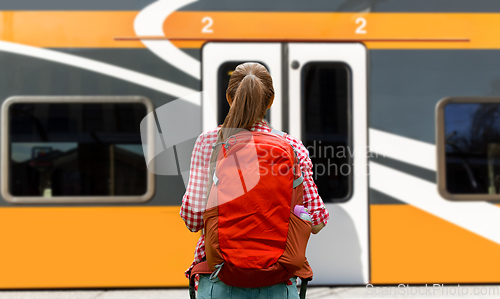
<point>193,202</point>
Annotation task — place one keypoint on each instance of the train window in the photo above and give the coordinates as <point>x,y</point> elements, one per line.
<point>223,75</point>
<point>85,149</point>
<point>326,99</point>
<point>469,148</point>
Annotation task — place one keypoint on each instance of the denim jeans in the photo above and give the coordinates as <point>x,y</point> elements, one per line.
<point>216,289</point>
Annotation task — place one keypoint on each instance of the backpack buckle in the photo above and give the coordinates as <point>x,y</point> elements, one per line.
<point>226,143</point>
<point>216,272</point>
<point>215,179</point>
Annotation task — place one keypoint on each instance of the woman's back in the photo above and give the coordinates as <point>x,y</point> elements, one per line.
<point>249,94</point>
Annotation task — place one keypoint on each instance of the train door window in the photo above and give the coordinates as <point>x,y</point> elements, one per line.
<point>219,59</point>
<point>223,75</point>
<point>469,148</point>
<point>85,149</point>
<point>325,115</point>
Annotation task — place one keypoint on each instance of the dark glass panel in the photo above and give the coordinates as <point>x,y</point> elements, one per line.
<point>472,138</point>
<point>325,131</point>
<point>76,149</point>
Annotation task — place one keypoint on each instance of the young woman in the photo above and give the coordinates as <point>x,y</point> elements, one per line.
<point>250,93</point>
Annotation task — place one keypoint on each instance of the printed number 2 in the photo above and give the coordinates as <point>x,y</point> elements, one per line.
<point>209,22</point>
<point>361,28</point>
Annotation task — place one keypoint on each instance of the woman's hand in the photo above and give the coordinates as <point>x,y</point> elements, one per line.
<point>316,228</point>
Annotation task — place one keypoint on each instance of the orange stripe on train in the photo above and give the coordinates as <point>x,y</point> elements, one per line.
<point>81,247</point>
<point>411,246</point>
<point>315,26</point>
<point>99,29</point>
<point>68,29</point>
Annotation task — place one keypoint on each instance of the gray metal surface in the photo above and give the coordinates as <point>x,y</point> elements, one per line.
<point>140,60</point>
<point>265,5</point>
<point>25,75</point>
<point>406,85</point>
<point>379,198</point>
<point>420,172</point>
<point>74,4</point>
<point>348,5</point>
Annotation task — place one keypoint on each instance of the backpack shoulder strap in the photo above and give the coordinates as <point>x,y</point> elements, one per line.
<point>300,179</point>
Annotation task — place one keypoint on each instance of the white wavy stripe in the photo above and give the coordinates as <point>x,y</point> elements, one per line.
<point>480,218</point>
<point>160,85</point>
<point>149,22</point>
<point>404,149</point>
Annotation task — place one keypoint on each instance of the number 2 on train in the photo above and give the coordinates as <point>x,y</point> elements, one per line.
<point>361,28</point>
<point>209,22</point>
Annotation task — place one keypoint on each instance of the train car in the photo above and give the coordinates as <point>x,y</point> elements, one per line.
<point>397,101</point>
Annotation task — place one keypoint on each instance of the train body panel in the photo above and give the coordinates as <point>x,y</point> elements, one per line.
<point>389,223</point>
<point>94,247</point>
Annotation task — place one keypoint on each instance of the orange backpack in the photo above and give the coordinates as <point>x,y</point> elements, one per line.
<point>252,237</point>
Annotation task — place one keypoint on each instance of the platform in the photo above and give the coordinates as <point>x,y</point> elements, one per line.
<point>475,291</point>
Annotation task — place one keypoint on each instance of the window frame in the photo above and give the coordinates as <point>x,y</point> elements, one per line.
<point>441,148</point>
<point>5,148</point>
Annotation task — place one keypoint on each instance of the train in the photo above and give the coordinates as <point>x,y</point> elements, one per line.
<point>397,102</point>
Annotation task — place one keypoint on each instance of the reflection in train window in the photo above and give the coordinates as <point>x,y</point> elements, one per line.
<point>472,148</point>
<point>223,75</point>
<point>76,149</point>
<point>326,127</point>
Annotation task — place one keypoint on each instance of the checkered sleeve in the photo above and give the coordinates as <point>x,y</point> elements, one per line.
<point>193,200</point>
<point>312,200</point>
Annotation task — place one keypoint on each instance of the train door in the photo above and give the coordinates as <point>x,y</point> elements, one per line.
<point>219,60</point>
<point>328,112</point>
<point>321,99</point>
